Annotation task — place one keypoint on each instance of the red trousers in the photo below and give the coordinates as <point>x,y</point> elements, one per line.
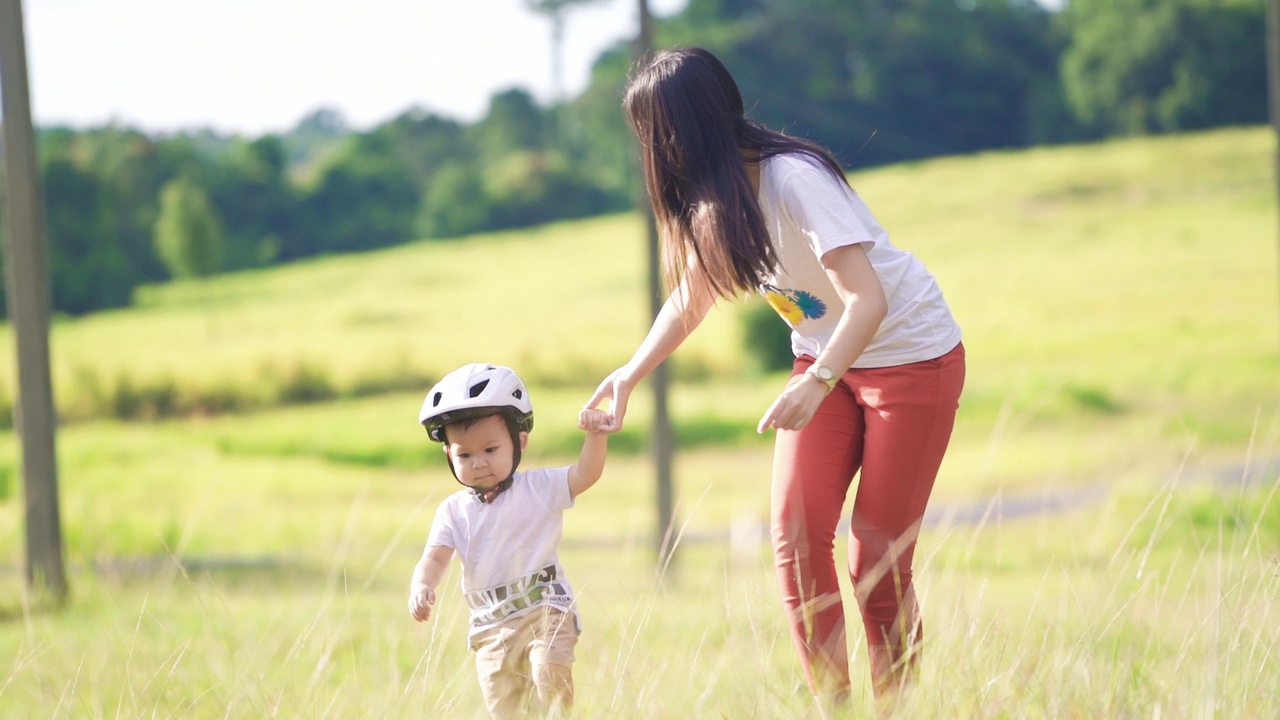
<point>892,424</point>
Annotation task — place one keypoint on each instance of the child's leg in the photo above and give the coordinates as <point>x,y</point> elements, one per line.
<point>812,471</point>
<point>555,634</point>
<point>504,682</point>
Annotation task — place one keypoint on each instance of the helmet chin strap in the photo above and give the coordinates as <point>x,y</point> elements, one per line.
<point>488,496</point>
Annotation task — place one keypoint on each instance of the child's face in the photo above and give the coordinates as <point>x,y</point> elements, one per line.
<point>482,453</point>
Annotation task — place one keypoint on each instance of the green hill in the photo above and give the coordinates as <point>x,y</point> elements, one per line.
<point>1118,300</point>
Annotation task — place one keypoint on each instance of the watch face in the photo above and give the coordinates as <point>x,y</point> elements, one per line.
<point>824,372</point>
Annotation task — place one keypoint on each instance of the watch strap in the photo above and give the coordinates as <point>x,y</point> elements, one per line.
<point>830,383</point>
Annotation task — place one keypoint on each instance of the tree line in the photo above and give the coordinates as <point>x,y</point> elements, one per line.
<point>878,81</point>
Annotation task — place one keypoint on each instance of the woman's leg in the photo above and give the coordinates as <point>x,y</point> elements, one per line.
<point>812,471</point>
<point>910,413</point>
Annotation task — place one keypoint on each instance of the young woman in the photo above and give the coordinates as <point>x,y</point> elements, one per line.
<point>879,364</point>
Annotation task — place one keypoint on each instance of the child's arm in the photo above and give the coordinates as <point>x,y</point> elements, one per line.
<point>591,460</point>
<point>426,576</point>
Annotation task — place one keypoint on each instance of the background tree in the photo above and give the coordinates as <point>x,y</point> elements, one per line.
<point>249,188</point>
<point>188,233</point>
<point>1141,66</point>
<point>366,198</point>
<point>556,11</point>
<point>456,204</point>
<point>87,271</point>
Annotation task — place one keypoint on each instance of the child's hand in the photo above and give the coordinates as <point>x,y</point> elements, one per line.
<point>420,603</point>
<point>592,419</point>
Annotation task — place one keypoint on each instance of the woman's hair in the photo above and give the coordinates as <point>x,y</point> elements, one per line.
<point>688,116</point>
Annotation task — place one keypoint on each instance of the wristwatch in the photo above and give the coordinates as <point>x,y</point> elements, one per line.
<point>825,374</point>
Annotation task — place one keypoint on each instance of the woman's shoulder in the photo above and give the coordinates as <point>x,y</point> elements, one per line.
<point>797,166</point>
<point>796,175</point>
<point>793,162</point>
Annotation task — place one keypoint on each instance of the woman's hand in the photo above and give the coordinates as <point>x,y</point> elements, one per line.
<point>616,388</point>
<point>795,407</point>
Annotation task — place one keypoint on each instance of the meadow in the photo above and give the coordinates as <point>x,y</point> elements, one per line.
<point>245,490</point>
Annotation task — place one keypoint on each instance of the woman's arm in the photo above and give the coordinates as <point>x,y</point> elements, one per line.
<point>864,309</point>
<point>683,311</point>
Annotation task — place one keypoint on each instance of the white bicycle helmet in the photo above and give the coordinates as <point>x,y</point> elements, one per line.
<point>476,390</point>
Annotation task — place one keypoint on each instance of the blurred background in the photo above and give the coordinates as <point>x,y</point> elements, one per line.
<point>309,129</point>
<point>271,226</point>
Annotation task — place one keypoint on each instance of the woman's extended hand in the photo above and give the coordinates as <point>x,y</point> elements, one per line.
<point>795,407</point>
<point>616,388</point>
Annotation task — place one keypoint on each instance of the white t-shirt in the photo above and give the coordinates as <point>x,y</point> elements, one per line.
<point>508,547</point>
<point>809,213</point>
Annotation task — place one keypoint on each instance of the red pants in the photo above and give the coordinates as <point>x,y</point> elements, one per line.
<point>893,424</point>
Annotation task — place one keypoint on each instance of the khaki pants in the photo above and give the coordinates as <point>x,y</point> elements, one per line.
<point>526,663</point>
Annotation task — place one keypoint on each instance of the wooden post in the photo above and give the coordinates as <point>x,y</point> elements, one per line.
<point>27,292</point>
<point>660,379</point>
<point>1273,87</point>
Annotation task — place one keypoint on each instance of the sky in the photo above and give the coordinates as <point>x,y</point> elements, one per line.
<point>252,67</point>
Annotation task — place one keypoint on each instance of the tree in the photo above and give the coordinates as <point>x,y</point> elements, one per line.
<point>251,194</point>
<point>88,271</point>
<point>555,10</point>
<point>879,81</point>
<point>188,232</point>
<point>1140,66</point>
<point>455,203</point>
<point>514,123</point>
<point>367,198</point>
<point>26,288</point>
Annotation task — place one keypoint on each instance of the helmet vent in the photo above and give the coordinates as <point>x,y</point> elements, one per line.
<point>435,399</point>
<point>518,394</point>
<point>479,388</point>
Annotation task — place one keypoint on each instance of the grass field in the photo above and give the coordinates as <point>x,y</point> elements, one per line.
<point>1122,321</point>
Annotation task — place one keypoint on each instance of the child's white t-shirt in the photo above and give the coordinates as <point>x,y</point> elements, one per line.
<point>809,213</point>
<point>508,547</point>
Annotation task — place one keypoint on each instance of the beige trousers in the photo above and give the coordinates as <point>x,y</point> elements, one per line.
<point>525,664</point>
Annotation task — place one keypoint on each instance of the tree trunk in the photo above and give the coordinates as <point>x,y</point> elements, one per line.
<point>1273,86</point>
<point>27,291</point>
<point>660,380</point>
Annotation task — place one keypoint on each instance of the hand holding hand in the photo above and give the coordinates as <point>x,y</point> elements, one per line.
<point>420,603</point>
<point>594,420</point>
<point>795,407</point>
<point>616,388</point>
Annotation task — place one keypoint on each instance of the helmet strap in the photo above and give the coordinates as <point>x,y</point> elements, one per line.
<point>488,496</point>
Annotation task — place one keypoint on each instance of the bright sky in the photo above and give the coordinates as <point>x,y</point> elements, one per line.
<point>257,66</point>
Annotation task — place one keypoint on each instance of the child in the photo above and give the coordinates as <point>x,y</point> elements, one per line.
<point>505,527</point>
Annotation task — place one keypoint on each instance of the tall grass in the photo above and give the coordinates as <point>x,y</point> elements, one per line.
<point>1169,609</point>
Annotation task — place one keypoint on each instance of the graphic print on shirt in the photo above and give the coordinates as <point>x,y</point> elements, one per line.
<point>795,306</point>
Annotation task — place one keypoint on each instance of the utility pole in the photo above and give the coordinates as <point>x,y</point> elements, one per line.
<point>660,379</point>
<point>1273,87</point>
<point>27,292</point>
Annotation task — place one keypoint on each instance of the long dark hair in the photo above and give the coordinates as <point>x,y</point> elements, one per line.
<point>688,116</point>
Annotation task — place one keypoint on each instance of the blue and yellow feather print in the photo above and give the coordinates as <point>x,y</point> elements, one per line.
<point>795,306</point>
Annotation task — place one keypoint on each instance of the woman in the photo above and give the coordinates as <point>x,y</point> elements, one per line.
<point>879,365</point>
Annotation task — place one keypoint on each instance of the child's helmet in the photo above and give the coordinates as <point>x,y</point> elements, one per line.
<point>476,390</point>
